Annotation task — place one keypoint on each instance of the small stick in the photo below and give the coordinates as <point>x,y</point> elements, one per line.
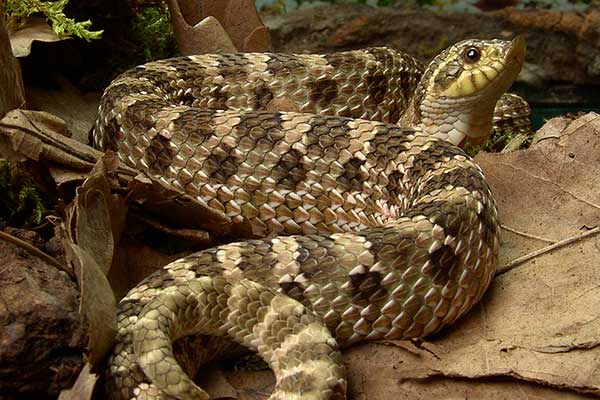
<point>35,251</point>
<point>193,235</point>
<point>546,249</point>
<point>528,235</point>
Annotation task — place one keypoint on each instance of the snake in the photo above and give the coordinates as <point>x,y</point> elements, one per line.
<point>368,220</point>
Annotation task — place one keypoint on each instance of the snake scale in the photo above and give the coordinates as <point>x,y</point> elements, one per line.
<point>370,222</point>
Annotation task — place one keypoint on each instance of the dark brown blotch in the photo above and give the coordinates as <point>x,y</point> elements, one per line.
<point>352,175</point>
<point>364,286</point>
<point>293,290</point>
<point>159,155</point>
<point>377,86</point>
<point>490,224</point>
<point>262,96</point>
<point>280,63</point>
<point>323,91</point>
<point>232,65</point>
<point>444,265</point>
<point>221,164</point>
<point>291,169</point>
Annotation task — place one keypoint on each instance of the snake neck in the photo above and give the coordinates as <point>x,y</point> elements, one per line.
<point>442,118</point>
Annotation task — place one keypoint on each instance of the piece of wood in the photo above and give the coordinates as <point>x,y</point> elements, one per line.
<point>12,93</point>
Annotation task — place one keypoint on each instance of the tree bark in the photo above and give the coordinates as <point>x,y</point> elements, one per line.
<point>12,93</point>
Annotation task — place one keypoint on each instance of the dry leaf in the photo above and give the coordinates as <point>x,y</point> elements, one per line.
<point>60,97</point>
<point>218,26</point>
<point>100,216</point>
<point>83,387</point>
<point>90,246</point>
<point>215,39</point>
<point>36,28</point>
<point>216,385</point>
<point>156,199</point>
<point>41,136</point>
<point>259,40</point>
<point>243,24</point>
<point>93,218</point>
<point>98,303</point>
<point>133,261</point>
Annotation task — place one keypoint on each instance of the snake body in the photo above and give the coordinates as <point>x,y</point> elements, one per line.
<point>371,226</point>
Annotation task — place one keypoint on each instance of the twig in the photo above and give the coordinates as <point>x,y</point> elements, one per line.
<point>36,252</point>
<point>527,235</point>
<point>193,235</point>
<point>546,249</point>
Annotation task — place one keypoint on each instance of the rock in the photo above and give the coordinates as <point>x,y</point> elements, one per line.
<point>562,47</point>
<point>41,335</point>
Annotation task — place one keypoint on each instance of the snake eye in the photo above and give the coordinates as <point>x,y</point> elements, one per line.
<point>471,55</point>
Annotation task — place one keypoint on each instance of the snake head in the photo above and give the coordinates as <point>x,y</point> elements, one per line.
<point>457,94</point>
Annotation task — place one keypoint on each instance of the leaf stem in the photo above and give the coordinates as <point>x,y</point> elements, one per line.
<point>546,249</point>
<point>35,251</point>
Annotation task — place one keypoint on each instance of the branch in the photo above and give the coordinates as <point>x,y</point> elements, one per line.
<point>35,251</point>
<point>546,249</point>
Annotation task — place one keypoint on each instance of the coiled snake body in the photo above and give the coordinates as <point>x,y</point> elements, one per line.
<point>393,231</point>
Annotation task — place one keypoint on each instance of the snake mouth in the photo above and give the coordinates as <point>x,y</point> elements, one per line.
<point>516,54</point>
<point>515,57</point>
<point>509,68</point>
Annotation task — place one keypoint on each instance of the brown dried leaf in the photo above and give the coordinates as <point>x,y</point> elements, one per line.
<point>98,303</point>
<point>218,26</point>
<point>243,24</point>
<point>216,385</point>
<point>215,39</point>
<point>83,387</point>
<point>93,218</point>
<point>259,40</point>
<point>133,262</point>
<point>100,216</point>
<point>36,28</point>
<point>40,136</point>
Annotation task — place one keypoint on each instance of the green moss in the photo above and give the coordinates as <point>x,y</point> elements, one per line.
<point>152,28</point>
<point>20,203</point>
<point>17,11</point>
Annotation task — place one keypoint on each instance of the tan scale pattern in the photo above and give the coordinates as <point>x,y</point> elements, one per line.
<point>394,233</point>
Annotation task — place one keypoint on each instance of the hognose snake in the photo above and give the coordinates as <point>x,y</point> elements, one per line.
<point>391,232</point>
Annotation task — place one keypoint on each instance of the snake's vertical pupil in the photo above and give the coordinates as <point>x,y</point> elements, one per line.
<point>472,54</point>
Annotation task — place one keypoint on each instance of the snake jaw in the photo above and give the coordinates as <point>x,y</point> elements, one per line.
<point>457,96</point>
